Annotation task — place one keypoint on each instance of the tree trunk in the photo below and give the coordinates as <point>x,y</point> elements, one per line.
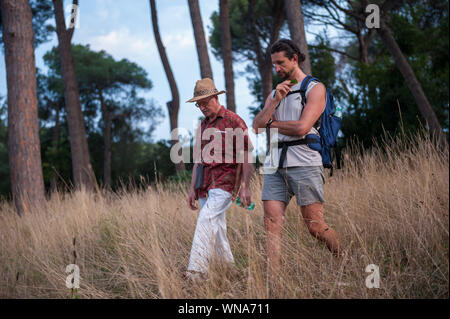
<point>363,53</point>
<point>266,76</point>
<point>202,49</point>
<point>27,182</point>
<point>81,167</point>
<point>364,41</point>
<point>263,58</point>
<point>225,38</point>
<point>297,30</point>
<point>107,140</point>
<point>55,144</point>
<point>412,82</point>
<point>278,19</point>
<point>174,105</point>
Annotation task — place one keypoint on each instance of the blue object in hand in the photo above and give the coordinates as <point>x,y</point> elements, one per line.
<point>250,207</point>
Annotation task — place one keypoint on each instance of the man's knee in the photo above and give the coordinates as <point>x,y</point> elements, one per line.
<point>273,219</point>
<point>273,216</point>
<point>316,228</point>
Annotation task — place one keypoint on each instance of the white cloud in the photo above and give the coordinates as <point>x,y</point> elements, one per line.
<point>179,40</point>
<point>123,43</point>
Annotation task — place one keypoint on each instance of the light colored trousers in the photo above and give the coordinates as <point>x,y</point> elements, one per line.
<point>211,231</point>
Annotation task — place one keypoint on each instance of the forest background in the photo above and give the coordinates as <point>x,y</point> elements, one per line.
<point>123,95</point>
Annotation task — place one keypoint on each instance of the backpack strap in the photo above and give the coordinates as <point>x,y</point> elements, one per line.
<point>284,147</point>
<point>304,86</point>
<point>302,91</point>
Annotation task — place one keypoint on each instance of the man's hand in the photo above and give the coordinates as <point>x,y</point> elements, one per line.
<point>310,114</point>
<point>282,90</point>
<point>261,119</point>
<point>245,195</point>
<point>191,200</point>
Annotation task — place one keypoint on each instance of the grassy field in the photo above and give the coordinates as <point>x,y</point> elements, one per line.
<point>390,206</point>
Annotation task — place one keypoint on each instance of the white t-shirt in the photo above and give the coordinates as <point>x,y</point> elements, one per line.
<point>290,109</point>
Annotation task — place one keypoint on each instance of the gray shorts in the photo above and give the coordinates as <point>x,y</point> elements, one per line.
<point>305,182</point>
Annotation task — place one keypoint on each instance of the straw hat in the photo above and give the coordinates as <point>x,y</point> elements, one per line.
<point>204,88</point>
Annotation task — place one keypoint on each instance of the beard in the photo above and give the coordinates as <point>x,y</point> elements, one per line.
<point>286,75</point>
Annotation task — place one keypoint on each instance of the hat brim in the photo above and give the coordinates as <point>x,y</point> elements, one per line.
<point>201,97</point>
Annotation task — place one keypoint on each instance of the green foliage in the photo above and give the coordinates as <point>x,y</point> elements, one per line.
<point>243,40</point>
<point>99,71</point>
<point>150,163</point>
<point>182,177</point>
<point>380,99</point>
<point>374,96</point>
<point>134,118</point>
<point>56,157</point>
<point>323,64</point>
<point>136,159</point>
<point>243,48</point>
<point>43,18</point>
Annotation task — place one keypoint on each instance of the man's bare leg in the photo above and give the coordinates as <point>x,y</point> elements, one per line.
<point>313,217</point>
<point>273,223</point>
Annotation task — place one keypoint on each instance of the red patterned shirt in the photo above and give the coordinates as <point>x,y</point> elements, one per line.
<point>223,138</point>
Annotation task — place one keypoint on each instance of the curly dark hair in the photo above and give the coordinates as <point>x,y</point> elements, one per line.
<point>289,48</point>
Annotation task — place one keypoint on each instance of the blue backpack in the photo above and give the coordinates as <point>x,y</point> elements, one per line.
<point>329,124</point>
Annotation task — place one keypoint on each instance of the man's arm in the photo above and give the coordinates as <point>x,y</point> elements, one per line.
<point>194,177</point>
<point>310,114</point>
<point>265,115</point>
<point>247,170</point>
<point>261,119</point>
<point>192,195</point>
<point>197,158</point>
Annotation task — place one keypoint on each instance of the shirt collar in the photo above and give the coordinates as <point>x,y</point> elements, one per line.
<point>220,114</point>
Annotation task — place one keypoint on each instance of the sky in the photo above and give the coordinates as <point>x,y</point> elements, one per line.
<point>124,30</point>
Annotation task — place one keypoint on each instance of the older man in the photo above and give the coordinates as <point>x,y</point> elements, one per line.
<point>222,147</point>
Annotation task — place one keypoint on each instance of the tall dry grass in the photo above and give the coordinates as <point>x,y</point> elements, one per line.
<point>389,205</point>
